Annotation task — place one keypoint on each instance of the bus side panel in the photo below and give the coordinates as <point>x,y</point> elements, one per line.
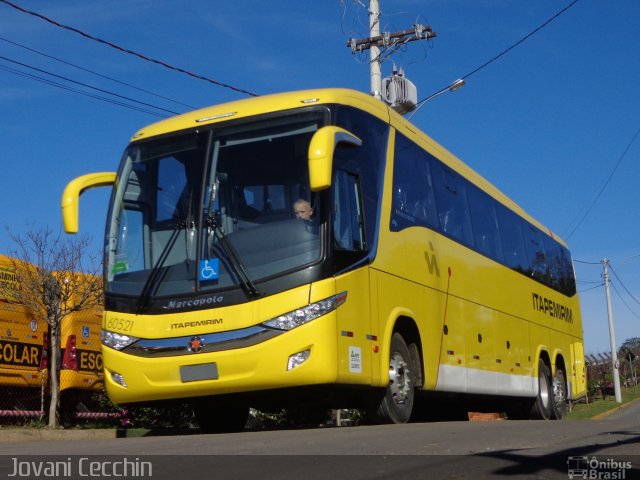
<point>452,374</point>
<point>399,298</point>
<point>578,375</point>
<point>561,352</point>
<point>22,339</point>
<point>21,347</point>
<point>479,345</point>
<point>355,335</point>
<point>511,336</point>
<point>539,343</point>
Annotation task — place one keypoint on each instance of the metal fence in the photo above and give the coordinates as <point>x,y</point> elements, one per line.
<point>600,373</point>
<point>25,368</point>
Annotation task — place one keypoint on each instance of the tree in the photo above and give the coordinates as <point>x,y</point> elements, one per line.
<point>57,276</point>
<point>629,352</point>
<point>631,345</point>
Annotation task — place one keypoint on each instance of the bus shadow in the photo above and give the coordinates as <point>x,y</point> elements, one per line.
<point>528,465</point>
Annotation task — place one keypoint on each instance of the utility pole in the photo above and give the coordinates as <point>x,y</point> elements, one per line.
<point>377,42</point>
<point>374,54</point>
<point>612,334</point>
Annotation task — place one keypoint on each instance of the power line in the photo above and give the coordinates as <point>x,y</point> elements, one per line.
<point>95,73</point>
<point>86,85</point>
<point>592,288</point>
<point>504,52</point>
<point>623,285</point>
<point>623,301</point>
<point>521,40</point>
<point>587,263</point>
<point>125,50</point>
<point>589,281</point>
<point>81,92</point>
<point>605,183</point>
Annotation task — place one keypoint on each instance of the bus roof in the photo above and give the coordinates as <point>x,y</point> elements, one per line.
<point>303,98</point>
<point>264,104</point>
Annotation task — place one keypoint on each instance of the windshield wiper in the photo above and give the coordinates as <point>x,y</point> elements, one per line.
<point>233,257</point>
<point>157,274</point>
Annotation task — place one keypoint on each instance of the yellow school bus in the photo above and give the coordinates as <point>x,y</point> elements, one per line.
<point>81,355</point>
<point>23,368</point>
<point>23,340</point>
<point>24,345</point>
<point>402,278</point>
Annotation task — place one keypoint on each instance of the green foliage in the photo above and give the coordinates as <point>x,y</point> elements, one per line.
<point>139,416</point>
<point>597,406</point>
<point>289,418</point>
<point>632,344</point>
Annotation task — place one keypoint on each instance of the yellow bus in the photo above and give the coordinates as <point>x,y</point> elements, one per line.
<point>23,340</point>
<point>409,278</point>
<point>81,372</point>
<point>24,359</point>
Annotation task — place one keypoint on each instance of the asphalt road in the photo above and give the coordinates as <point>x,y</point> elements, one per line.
<point>607,448</point>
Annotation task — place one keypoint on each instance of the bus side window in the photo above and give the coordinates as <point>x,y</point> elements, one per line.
<point>538,267</point>
<point>348,222</point>
<point>413,200</point>
<point>486,235</point>
<point>512,240</point>
<point>451,199</point>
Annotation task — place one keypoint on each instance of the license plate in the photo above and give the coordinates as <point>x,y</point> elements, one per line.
<point>194,373</point>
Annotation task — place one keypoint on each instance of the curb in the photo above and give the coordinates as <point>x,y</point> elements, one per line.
<point>602,415</point>
<point>24,435</point>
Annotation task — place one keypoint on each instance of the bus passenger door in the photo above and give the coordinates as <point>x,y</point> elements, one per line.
<point>348,248</point>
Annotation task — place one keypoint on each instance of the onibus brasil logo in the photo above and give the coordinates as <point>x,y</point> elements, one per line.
<point>595,468</point>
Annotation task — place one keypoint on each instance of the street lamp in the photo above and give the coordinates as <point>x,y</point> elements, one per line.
<point>455,85</point>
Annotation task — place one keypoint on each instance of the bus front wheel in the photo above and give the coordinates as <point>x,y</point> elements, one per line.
<point>397,403</point>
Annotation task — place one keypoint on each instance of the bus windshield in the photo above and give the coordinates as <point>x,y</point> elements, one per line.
<point>212,210</point>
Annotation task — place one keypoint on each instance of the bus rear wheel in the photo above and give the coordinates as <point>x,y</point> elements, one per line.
<point>397,403</point>
<point>543,404</point>
<point>559,405</point>
<point>215,415</point>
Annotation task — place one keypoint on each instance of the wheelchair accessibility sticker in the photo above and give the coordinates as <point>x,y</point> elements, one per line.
<point>209,269</point>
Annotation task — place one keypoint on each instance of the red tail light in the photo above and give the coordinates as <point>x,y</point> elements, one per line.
<point>44,358</point>
<point>70,359</point>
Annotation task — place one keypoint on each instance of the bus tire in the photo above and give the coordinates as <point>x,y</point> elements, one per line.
<point>214,416</point>
<point>397,404</point>
<point>559,389</point>
<point>542,406</point>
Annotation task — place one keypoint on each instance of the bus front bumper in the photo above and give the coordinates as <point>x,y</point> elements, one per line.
<point>304,356</point>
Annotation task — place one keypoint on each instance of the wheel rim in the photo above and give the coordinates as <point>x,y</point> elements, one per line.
<point>544,389</point>
<point>559,396</point>
<point>399,380</point>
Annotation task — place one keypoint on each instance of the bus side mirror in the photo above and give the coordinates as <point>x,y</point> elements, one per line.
<point>72,192</point>
<point>321,150</point>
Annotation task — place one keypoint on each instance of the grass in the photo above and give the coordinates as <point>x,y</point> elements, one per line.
<point>596,406</point>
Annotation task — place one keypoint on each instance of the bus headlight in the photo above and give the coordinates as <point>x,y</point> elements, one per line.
<point>290,320</point>
<point>117,341</point>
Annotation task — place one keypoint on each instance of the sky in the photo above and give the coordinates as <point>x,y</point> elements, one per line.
<point>553,122</point>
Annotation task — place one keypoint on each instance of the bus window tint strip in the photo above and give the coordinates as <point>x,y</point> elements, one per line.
<point>430,194</point>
